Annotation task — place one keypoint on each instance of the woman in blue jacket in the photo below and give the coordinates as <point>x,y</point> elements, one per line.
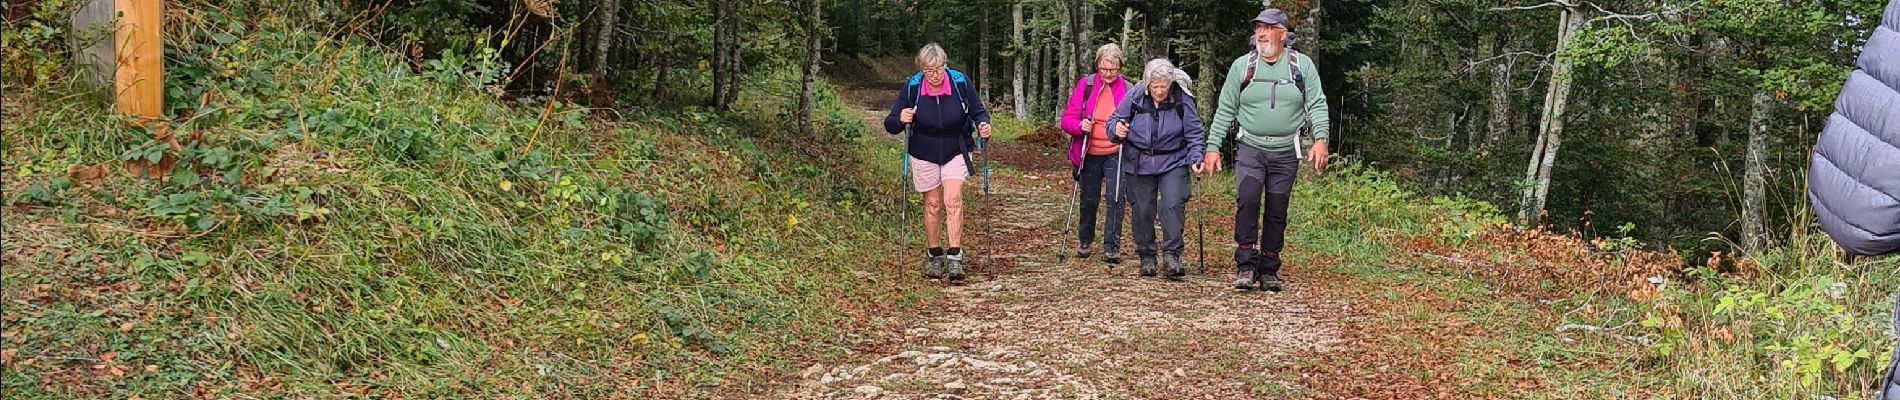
<point>941,109</point>
<point>1162,140</point>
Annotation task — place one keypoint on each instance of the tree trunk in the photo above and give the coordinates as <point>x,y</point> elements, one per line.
<point>983,52</point>
<point>604,41</point>
<point>1084,50</point>
<point>814,33</point>
<point>1544,157</point>
<point>1128,20</point>
<point>1156,45</point>
<point>735,61</point>
<point>1020,59</point>
<point>1499,125</point>
<point>720,37</point>
<point>1038,74</point>
<point>1065,51</point>
<point>1753,184</point>
<point>1309,29</point>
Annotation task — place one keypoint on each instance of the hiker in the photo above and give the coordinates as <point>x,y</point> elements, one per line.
<point>1271,94</point>
<point>1162,140</point>
<point>1851,179</point>
<point>1092,153</point>
<point>940,108</point>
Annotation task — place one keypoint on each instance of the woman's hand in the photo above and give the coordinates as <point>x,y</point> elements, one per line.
<point>1086,125</point>
<point>1210,161</point>
<point>1121,130</point>
<point>907,115</point>
<point>983,130</point>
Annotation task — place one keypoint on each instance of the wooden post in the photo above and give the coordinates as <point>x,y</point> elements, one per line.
<point>139,84</point>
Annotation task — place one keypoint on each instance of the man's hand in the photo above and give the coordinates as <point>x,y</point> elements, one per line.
<point>1319,156</point>
<point>1086,125</point>
<point>1210,162</point>
<point>906,116</point>
<point>983,130</point>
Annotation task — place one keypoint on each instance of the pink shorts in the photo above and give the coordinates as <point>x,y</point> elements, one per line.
<point>927,176</point>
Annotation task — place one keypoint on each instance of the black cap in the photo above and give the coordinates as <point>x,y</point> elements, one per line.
<point>1271,16</point>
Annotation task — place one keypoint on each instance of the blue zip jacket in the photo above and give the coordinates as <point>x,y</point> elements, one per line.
<point>943,124</point>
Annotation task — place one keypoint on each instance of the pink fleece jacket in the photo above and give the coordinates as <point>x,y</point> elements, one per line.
<point>1078,109</point>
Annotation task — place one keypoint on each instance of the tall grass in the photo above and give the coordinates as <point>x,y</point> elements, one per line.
<point>362,225</point>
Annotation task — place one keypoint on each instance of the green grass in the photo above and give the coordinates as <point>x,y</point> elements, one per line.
<point>1788,324</point>
<point>357,226</point>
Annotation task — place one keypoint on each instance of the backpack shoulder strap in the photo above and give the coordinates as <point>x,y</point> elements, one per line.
<point>1299,81</point>
<point>1088,90</point>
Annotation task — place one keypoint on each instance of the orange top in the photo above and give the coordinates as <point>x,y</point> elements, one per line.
<point>1098,132</point>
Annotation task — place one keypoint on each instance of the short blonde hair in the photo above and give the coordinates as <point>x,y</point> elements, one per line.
<point>931,56</point>
<point>1109,51</point>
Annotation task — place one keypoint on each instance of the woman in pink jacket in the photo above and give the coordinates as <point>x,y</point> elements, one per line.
<point>1092,153</point>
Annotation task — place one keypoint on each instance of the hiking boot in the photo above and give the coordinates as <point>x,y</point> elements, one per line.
<point>1270,282</point>
<point>1082,253</point>
<point>1111,258</point>
<point>1269,279</point>
<point>1147,266</point>
<point>1177,270</point>
<point>953,264</point>
<point>1243,280</point>
<point>933,267</point>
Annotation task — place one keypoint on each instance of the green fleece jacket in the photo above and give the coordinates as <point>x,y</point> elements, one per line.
<point>1269,114</point>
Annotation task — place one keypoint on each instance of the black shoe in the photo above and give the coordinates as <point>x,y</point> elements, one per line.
<point>1177,270</point>
<point>1147,266</point>
<point>1271,282</point>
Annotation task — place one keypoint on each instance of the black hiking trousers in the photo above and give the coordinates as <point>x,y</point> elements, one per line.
<point>1262,176</point>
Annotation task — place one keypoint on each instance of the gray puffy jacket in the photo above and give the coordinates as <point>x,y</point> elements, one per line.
<point>1854,177</point>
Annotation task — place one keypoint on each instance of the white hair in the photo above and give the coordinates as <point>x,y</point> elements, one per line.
<point>1109,51</point>
<point>931,56</point>
<point>1162,69</point>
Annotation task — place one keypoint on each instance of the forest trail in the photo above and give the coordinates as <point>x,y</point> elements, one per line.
<point>1028,327</point>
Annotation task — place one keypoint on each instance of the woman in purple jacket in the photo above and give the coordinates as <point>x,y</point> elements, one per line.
<point>1092,153</point>
<point>1162,140</point>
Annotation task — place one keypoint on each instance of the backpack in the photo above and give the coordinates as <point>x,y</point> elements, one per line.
<point>1298,81</point>
<point>916,88</point>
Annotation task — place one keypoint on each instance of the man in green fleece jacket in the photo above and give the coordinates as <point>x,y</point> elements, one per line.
<point>1272,93</point>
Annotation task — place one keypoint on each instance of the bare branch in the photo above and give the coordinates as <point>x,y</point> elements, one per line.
<point>1519,8</point>
<point>1470,65</point>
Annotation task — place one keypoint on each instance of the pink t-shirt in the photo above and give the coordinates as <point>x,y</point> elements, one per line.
<point>939,90</point>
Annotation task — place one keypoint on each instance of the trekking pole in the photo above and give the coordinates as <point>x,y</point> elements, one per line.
<point>903,197</point>
<point>1069,219</point>
<point>1200,223</point>
<point>903,188</point>
<point>989,216</point>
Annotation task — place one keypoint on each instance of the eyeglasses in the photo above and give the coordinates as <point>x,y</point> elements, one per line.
<point>934,71</point>
<point>1109,70</point>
